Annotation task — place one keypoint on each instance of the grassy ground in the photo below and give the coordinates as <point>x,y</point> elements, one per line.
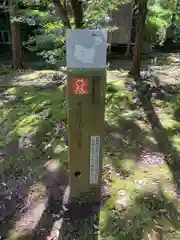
<point>140,141</point>
<point>145,192</point>
<point>32,146</point>
<point>28,121</point>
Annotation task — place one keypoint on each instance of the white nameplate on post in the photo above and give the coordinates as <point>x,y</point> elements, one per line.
<point>94,159</point>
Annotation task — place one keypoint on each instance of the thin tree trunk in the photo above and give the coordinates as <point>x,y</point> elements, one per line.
<point>15,37</point>
<point>140,28</point>
<point>77,7</point>
<point>61,12</point>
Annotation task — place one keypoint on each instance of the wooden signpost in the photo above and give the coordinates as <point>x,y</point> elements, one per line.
<point>86,63</point>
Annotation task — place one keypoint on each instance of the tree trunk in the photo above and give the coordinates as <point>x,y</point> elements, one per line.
<point>15,37</point>
<point>140,28</point>
<point>77,7</point>
<point>61,12</point>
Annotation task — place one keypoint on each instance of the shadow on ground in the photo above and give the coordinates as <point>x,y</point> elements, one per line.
<point>148,216</point>
<point>162,137</point>
<point>33,158</point>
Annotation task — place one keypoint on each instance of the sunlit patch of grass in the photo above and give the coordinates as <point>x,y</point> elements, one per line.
<point>166,115</point>
<point>128,165</point>
<point>35,74</point>
<point>118,104</point>
<point>14,235</point>
<point>169,123</point>
<point>11,90</point>
<point>143,177</point>
<point>143,125</point>
<point>137,203</point>
<point>167,106</point>
<point>33,113</point>
<point>152,139</point>
<point>27,124</point>
<point>118,83</point>
<point>58,147</point>
<point>176,142</point>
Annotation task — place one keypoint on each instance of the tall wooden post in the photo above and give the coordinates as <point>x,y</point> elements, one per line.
<point>86,62</point>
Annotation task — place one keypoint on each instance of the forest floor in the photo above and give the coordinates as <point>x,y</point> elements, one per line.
<point>141,155</point>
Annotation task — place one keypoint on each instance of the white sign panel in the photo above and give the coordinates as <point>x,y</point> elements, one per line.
<point>86,48</point>
<point>94,159</point>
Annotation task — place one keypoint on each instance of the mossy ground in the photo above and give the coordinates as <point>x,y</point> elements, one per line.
<point>144,198</point>
<point>32,114</point>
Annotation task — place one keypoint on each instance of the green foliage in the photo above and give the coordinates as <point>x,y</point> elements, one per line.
<point>159,17</point>
<point>48,39</point>
<point>155,29</point>
<point>96,14</point>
